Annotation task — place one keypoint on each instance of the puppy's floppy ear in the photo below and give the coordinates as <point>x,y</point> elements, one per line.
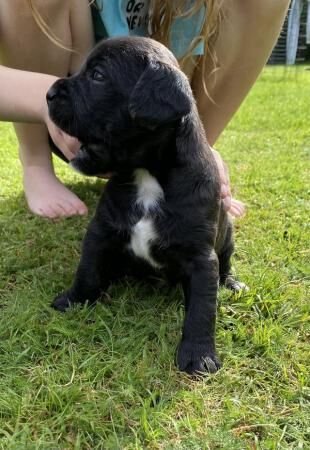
<point>161,95</point>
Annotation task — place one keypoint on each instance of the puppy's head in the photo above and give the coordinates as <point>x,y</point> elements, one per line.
<point>127,89</point>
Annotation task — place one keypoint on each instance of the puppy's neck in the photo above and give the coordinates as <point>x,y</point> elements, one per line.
<point>153,150</point>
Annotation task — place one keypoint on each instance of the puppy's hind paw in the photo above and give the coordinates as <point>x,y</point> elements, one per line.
<point>197,358</point>
<point>62,302</point>
<point>235,285</point>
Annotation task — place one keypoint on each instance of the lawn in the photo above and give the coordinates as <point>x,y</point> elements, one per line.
<point>104,377</point>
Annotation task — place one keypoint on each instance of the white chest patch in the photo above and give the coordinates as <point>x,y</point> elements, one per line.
<point>149,190</point>
<point>149,195</point>
<point>143,234</point>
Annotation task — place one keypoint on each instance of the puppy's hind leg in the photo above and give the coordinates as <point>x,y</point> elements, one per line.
<point>226,277</point>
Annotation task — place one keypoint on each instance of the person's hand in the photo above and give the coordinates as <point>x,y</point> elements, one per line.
<point>68,145</point>
<point>233,206</point>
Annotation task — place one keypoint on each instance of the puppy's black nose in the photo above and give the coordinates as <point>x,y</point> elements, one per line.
<point>51,94</point>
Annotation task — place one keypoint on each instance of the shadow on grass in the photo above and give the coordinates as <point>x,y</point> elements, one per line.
<point>35,248</point>
<point>39,258</point>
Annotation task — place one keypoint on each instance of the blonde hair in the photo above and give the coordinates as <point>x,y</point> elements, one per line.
<point>45,28</point>
<point>163,13</point>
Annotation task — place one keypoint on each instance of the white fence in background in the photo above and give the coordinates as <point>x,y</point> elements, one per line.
<point>293,29</point>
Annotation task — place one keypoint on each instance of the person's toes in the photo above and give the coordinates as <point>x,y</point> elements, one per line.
<point>66,209</point>
<point>73,208</point>
<point>44,211</point>
<point>82,209</point>
<point>62,209</point>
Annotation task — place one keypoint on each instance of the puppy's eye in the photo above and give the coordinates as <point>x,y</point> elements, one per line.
<point>97,76</point>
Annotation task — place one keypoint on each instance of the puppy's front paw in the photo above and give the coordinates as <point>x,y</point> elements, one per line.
<point>62,302</point>
<point>193,358</point>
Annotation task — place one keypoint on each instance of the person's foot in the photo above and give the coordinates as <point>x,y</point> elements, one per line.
<point>48,197</point>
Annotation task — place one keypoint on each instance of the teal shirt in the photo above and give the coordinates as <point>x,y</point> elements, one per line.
<point>130,17</point>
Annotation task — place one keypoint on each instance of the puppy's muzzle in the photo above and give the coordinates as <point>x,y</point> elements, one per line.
<point>56,92</point>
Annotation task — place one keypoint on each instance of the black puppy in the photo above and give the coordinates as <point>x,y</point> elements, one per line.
<point>134,112</point>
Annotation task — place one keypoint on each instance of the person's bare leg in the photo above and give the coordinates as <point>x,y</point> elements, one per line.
<point>245,40</point>
<point>246,37</point>
<point>31,50</point>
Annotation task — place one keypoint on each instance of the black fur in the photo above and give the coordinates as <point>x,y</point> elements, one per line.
<point>132,107</point>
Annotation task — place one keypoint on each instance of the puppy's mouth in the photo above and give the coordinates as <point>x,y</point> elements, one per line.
<point>67,126</point>
<point>86,162</point>
<point>82,162</point>
<point>66,122</point>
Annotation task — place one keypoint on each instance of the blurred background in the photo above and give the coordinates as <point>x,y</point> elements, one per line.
<point>293,46</point>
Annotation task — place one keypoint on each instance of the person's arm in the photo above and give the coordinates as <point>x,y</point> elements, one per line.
<point>247,34</point>
<point>248,31</point>
<point>22,95</point>
<point>23,99</point>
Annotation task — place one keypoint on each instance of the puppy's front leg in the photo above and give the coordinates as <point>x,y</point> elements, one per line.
<point>93,274</point>
<point>196,352</point>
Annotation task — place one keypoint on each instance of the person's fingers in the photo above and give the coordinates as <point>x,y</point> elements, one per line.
<point>233,206</point>
<point>68,145</point>
<point>227,203</point>
<point>237,208</point>
<point>225,190</point>
<point>223,172</point>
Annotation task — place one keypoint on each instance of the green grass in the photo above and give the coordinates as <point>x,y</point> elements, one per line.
<point>104,378</point>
